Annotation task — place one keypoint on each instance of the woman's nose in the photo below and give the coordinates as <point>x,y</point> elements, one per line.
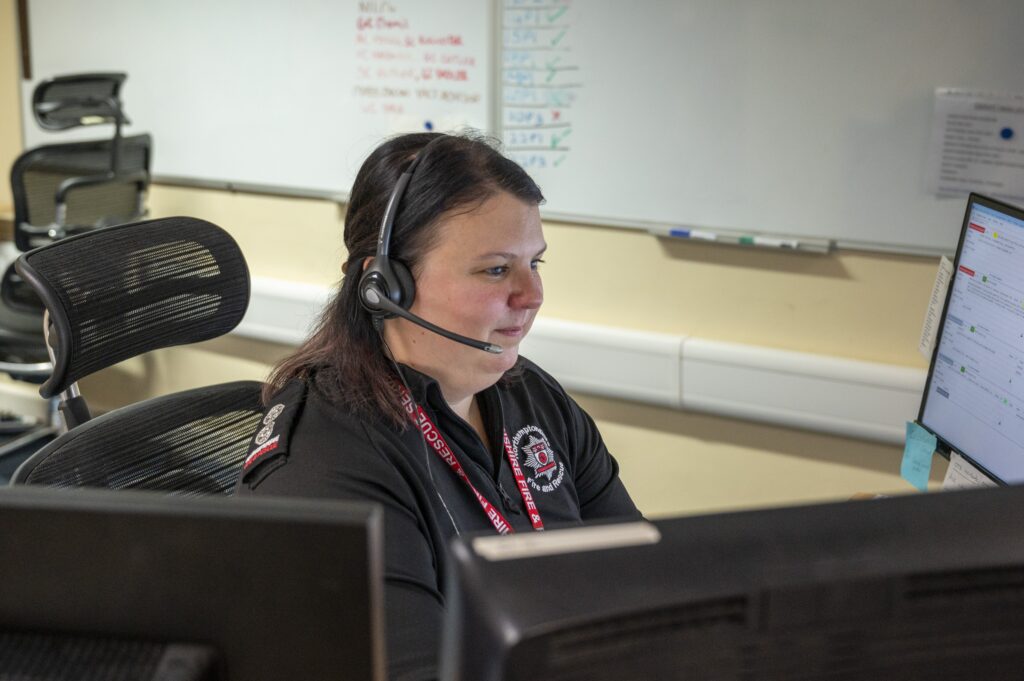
<point>529,291</point>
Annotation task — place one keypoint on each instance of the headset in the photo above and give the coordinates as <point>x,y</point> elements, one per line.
<point>386,287</point>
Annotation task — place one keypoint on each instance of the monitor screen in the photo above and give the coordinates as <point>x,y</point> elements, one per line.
<point>974,397</point>
<point>914,587</point>
<point>277,589</point>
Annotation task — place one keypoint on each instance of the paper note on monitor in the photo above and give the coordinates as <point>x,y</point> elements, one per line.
<point>935,305</point>
<point>962,475</point>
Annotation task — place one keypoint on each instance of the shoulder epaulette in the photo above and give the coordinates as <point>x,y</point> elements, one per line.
<point>271,439</point>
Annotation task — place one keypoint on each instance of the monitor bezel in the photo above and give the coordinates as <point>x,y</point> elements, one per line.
<point>504,605</point>
<point>944,447</point>
<point>142,527</point>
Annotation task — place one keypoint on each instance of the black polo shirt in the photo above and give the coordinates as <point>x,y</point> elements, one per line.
<point>309,447</point>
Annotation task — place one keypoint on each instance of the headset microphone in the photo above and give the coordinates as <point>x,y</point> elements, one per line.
<point>374,298</point>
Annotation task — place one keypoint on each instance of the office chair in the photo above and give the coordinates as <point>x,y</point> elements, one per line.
<point>115,293</point>
<point>63,189</point>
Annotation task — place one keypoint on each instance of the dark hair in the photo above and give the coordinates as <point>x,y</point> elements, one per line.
<point>344,358</point>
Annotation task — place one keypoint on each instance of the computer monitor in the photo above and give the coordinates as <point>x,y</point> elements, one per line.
<point>275,588</point>
<point>914,587</point>
<point>974,398</point>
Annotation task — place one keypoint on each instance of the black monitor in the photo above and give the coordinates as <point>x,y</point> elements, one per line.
<point>261,589</point>
<point>974,398</point>
<point>916,587</point>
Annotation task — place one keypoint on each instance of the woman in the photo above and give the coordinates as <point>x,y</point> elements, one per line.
<point>351,413</point>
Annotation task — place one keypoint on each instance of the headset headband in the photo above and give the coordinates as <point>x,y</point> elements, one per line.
<point>391,211</point>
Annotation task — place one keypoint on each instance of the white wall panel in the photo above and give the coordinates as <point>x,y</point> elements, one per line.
<point>795,389</point>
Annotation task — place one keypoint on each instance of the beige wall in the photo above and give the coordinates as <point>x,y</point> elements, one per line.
<point>10,116</point>
<point>857,305</point>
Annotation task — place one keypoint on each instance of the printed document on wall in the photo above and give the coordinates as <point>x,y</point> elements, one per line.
<point>976,144</point>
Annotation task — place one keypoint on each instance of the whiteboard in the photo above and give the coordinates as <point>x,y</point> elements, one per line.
<point>279,95</point>
<point>788,117</point>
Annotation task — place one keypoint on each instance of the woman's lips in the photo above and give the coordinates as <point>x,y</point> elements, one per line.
<point>511,331</point>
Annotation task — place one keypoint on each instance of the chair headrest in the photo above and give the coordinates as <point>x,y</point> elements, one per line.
<point>118,292</point>
<point>76,100</point>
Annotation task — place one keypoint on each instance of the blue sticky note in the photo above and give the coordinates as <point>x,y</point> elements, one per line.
<point>917,456</point>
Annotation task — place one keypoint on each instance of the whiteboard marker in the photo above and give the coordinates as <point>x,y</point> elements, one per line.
<point>698,234</point>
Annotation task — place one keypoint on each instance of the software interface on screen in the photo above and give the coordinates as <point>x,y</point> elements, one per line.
<point>975,399</point>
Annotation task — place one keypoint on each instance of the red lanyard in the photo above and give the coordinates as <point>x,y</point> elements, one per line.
<point>433,437</point>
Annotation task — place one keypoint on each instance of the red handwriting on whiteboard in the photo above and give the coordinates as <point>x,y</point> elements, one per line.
<point>451,74</point>
<point>451,39</point>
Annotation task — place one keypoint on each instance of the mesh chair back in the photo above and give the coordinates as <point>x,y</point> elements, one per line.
<point>39,173</point>
<point>83,99</point>
<point>118,292</point>
<point>191,442</point>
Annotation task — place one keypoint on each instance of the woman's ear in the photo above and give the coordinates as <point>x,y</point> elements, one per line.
<point>366,263</point>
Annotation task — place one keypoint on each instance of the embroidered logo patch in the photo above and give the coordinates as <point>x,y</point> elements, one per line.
<point>264,434</point>
<point>547,470</point>
<point>264,443</point>
<point>268,424</point>
<point>272,414</point>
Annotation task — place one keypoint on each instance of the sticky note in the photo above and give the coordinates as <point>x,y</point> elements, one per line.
<point>917,456</point>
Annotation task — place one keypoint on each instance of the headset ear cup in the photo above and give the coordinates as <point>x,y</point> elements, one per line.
<point>386,279</point>
<point>406,284</point>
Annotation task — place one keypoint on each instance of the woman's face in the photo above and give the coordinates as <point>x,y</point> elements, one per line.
<point>479,280</point>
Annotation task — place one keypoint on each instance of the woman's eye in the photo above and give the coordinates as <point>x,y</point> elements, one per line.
<point>496,271</point>
<point>536,263</point>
